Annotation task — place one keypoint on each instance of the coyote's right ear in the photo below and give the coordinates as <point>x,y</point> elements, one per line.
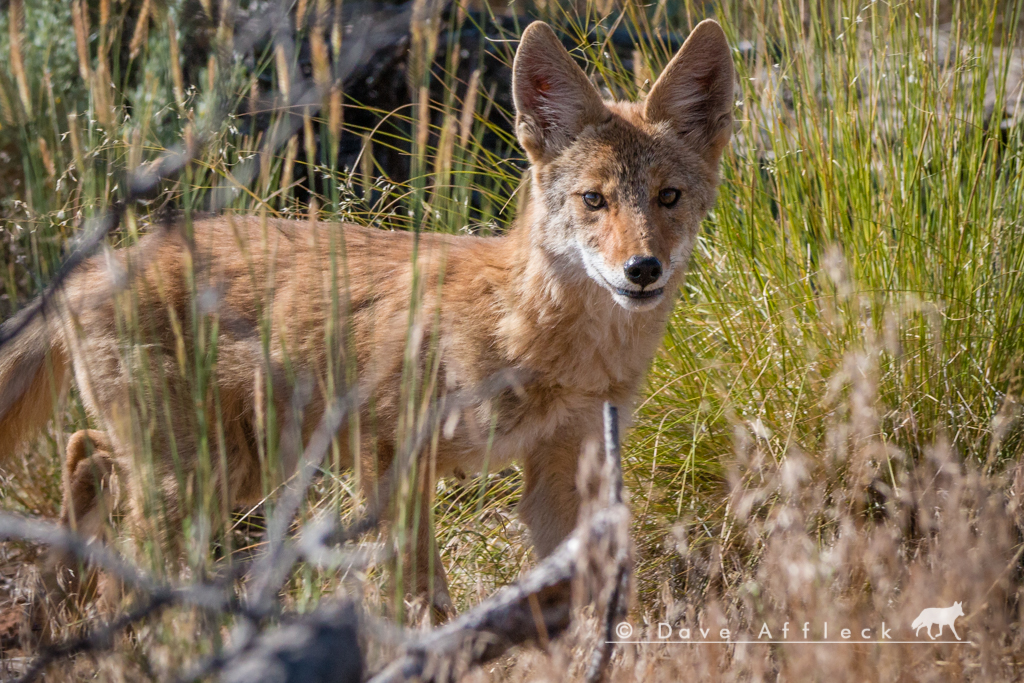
<point>554,99</point>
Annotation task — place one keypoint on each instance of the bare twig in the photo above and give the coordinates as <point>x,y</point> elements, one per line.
<point>98,639</point>
<point>273,568</point>
<point>509,617</point>
<point>213,597</point>
<point>321,647</point>
<point>16,527</point>
<point>612,454</point>
<point>615,607</point>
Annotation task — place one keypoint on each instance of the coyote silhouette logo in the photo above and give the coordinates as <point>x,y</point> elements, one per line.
<point>943,616</point>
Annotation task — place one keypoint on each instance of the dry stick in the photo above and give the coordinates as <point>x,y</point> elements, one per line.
<point>615,610</point>
<point>508,618</point>
<point>273,567</point>
<point>100,639</point>
<point>94,553</point>
<point>321,646</point>
<point>612,454</point>
<point>210,596</point>
<point>269,571</point>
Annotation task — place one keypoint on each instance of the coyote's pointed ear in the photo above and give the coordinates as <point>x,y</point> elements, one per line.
<point>695,91</point>
<point>554,98</point>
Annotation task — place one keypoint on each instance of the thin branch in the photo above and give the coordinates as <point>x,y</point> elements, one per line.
<point>97,640</point>
<point>612,454</point>
<point>615,607</point>
<point>272,569</point>
<point>213,597</point>
<point>509,617</point>
<point>16,527</point>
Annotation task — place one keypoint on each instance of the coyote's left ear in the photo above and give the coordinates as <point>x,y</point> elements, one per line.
<point>695,91</point>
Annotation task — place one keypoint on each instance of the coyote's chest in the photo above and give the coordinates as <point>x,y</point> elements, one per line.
<point>560,385</point>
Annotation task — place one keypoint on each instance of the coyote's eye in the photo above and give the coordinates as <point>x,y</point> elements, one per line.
<point>668,197</point>
<point>592,199</point>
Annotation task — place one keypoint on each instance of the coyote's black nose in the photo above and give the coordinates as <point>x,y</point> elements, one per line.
<point>643,270</point>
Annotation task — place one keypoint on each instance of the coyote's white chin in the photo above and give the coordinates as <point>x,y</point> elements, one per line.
<point>630,297</point>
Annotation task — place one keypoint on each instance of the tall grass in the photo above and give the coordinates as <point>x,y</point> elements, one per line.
<point>871,207</point>
<point>854,306</point>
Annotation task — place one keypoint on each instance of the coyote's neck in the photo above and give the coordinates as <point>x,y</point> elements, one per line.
<point>559,322</point>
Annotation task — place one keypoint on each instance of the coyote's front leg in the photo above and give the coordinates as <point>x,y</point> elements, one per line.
<point>551,499</point>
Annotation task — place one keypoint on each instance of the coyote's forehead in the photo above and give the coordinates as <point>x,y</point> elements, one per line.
<point>629,160</point>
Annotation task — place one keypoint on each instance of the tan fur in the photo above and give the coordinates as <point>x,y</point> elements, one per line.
<point>537,300</point>
<point>33,373</point>
<point>87,470</point>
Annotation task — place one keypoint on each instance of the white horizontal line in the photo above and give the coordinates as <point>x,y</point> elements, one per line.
<point>789,642</point>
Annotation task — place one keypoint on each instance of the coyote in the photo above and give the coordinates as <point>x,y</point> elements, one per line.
<point>943,616</point>
<point>575,297</point>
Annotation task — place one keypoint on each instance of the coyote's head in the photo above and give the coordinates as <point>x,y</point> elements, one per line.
<point>623,185</point>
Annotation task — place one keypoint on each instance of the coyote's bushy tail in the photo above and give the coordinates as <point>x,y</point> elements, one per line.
<point>33,372</point>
